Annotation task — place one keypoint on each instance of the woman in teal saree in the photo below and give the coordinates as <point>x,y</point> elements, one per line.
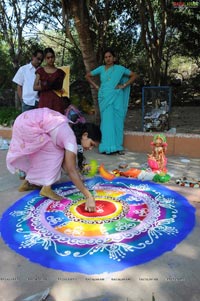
<point>113,98</point>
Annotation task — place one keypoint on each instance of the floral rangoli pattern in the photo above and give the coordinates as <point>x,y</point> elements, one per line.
<point>134,223</point>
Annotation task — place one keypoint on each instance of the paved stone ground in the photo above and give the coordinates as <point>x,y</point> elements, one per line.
<point>174,276</point>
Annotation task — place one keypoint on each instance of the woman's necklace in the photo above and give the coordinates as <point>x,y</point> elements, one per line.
<point>110,71</point>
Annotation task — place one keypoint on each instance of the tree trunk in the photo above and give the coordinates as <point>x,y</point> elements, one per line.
<point>153,37</point>
<point>79,12</point>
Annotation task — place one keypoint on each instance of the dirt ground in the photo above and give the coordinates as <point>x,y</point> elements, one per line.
<point>185,119</point>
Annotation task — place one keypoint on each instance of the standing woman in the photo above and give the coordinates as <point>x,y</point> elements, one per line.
<point>48,79</point>
<point>113,98</point>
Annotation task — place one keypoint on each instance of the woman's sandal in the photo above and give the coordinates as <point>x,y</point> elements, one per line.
<point>121,153</point>
<point>114,153</point>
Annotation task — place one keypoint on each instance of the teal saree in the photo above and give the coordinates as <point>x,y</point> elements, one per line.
<point>113,105</point>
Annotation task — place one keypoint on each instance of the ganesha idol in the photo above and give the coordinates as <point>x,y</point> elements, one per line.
<point>157,160</point>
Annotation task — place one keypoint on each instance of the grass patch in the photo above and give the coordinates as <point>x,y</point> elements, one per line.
<point>8,115</point>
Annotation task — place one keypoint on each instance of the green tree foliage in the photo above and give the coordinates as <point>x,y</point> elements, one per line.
<point>145,34</point>
<point>187,23</point>
<point>22,24</point>
<point>5,66</point>
<point>18,19</point>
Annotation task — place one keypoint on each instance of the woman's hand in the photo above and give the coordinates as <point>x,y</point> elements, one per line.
<point>88,77</point>
<point>121,86</point>
<point>90,204</point>
<point>37,83</point>
<point>69,165</point>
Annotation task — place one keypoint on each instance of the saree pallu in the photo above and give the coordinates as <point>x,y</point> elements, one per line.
<point>35,147</point>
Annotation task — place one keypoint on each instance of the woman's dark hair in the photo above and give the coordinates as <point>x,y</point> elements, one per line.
<point>49,50</point>
<point>112,52</point>
<point>109,50</point>
<point>94,133</point>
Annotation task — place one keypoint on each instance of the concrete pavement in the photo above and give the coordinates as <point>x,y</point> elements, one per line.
<point>174,276</point>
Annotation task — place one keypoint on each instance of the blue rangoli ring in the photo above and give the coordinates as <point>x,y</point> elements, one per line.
<point>134,222</point>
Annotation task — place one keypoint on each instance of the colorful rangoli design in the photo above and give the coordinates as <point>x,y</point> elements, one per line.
<point>134,223</point>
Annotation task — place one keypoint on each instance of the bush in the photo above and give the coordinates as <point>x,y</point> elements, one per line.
<point>8,115</point>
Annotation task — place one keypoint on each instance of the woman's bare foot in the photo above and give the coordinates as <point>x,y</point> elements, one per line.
<point>26,186</point>
<point>49,193</point>
<point>90,204</point>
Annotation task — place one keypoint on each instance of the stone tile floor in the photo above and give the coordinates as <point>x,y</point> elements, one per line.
<point>174,276</point>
